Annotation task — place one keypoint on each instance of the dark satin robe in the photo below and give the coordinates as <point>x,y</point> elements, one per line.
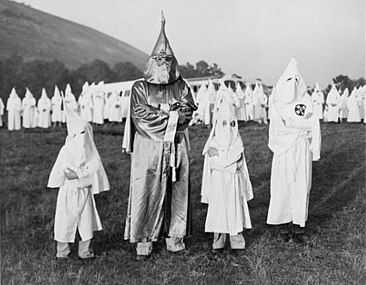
<point>157,206</point>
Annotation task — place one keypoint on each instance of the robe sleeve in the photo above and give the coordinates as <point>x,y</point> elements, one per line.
<point>149,121</point>
<point>57,175</point>
<point>186,96</point>
<point>227,161</point>
<point>86,173</point>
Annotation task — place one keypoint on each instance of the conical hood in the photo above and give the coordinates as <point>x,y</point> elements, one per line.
<point>44,94</point>
<point>13,93</point>
<point>74,122</point>
<point>290,87</point>
<point>68,89</point>
<point>162,66</point>
<point>162,46</point>
<point>56,92</point>
<point>85,87</point>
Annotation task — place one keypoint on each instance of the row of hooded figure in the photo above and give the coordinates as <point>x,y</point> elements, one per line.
<point>340,106</point>
<point>250,105</point>
<point>93,105</point>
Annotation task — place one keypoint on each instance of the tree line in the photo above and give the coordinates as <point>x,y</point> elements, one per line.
<point>38,74</point>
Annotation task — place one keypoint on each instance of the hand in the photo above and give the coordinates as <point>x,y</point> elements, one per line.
<point>212,151</point>
<point>184,116</point>
<point>70,174</point>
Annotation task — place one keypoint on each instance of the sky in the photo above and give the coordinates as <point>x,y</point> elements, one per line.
<point>252,38</point>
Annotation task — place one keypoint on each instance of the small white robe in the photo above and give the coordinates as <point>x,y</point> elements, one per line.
<point>28,108</point>
<point>98,107</point>
<point>249,104</point>
<point>226,188</point>
<point>56,102</point>
<point>333,102</point>
<point>240,110</point>
<point>14,107</point>
<point>76,209</point>
<point>86,106</point>
<point>318,101</point>
<point>343,110</point>
<point>353,108</point>
<point>44,109</point>
<point>70,100</point>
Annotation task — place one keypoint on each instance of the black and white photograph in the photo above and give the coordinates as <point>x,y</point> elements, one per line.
<point>182,142</point>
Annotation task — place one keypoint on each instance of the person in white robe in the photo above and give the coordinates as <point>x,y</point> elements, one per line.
<point>240,111</point>
<point>294,139</point>
<point>249,102</point>
<point>86,104</point>
<point>318,101</point>
<point>226,186</point>
<point>1,111</point>
<point>353,107</point>
<point>98,106</point>
<point>44,109</point>
<point>79,174</point>
<point>343,110</point>
<point>333,102</point>
<point>56,102</point>
<point>257,100</point>
<point>212,94</point>
<point>115,108</point>
<point>360,102</point>
<point>69,100</point>
<point>14,108</point>
<point>263,100</point>
<point>28,110</point>
<point>203,103</point>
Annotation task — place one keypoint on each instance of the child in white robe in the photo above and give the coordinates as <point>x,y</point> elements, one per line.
<point>294,138</point>
<point>79,173</point>
<point>226,187</point>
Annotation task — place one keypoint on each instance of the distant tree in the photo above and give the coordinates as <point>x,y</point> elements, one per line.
<point>125,71</point>
<point>202,69</point>
<point>96,71</point>
<point>343,82</point>
<point>9,68</point>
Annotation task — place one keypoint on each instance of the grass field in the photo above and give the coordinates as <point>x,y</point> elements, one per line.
<point>336,253</point>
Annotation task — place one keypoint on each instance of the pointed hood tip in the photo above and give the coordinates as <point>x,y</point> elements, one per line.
<point>162,45</point>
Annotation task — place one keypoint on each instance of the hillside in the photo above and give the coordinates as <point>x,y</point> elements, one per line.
<point>37,35</point>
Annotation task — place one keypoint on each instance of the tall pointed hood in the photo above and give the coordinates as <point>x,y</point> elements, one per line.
<point>290,87</point>
<point>13,93</point>
<point>162,46</point>
<point>44,94</point>
<point>56,92</point>
<point>162,66</point>
<point>68,89</point>
<point>74,122</point>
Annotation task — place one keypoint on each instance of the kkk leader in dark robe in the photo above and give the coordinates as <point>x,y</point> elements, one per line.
<point>161,106</point>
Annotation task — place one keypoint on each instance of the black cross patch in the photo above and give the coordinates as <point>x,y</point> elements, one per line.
<point>300,109</point>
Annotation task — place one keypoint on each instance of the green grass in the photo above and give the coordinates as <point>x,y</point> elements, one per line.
<point>336,253</point>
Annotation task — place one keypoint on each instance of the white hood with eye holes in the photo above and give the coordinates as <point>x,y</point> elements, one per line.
<point>80,154</point>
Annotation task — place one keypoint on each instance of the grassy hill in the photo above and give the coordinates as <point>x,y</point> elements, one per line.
<point>37,35</point>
